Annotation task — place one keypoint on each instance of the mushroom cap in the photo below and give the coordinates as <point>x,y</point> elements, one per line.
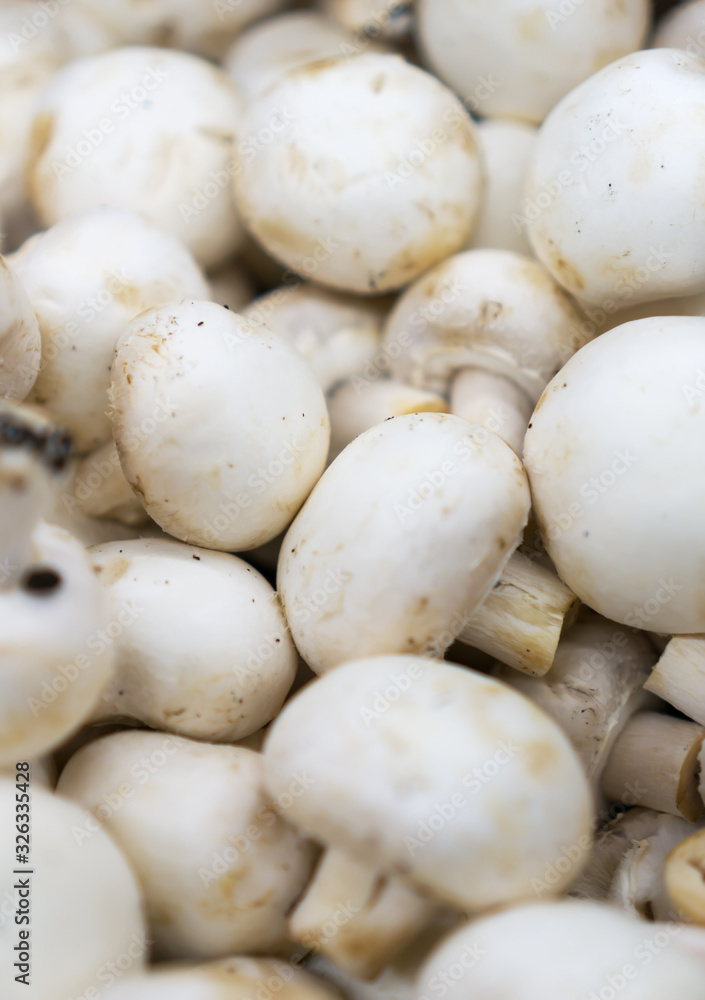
<point>610,197</point>
<point>386,18</point>
<point>432,771</point>
<point>145,129</point>
<point>537,49</point>
<point>230,979</point>
<point>617,472</point>
<point>564,950</point>
<point>221,426</point>
<point>85,903</point>
<point>337,334</point>
<point>54,661</point>
<point>20,341</point>
<point>204,651</point>
<point>219,867</point>
<point>86,278</point>
<point>490,309</point>
<point>403,537</point>
<point>367,172</point>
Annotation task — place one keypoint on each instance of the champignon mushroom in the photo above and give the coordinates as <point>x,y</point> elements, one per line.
<point>101,489</point>
<point>219,867</point>
<point>610,199</point>
<point>145,129</point>
<point>517,58</point>
<point>683,877</point>
<point>20,341</point>
<point>489,328</point>
<point>86,278</point>
<point>202,648</point>
<point>429,777</point>
<point>594,686</point>
<point>221,427</point>
<point>679,676</point>
<point>73,912</point>
<point>563,950</point>
<point>369,19</point>
<point>369,175</point>
<point>616,471</point>
<point>401,540</point>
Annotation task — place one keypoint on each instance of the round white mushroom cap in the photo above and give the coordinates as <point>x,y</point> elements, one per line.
<point>611,199</point>
<point>85,906</point>
<point>369,175</point>
<point>517,58</point>
<point>433,772</point>
<point>220,868</point>
<point>403,537</point>
<point>565,950</point>
<point>146,129</point>
<point>20,340</point>
<point>86,278</point>
<point>204,650</point>
<point>221,427</point>
<point>617,472</point>
<point>488,309</point>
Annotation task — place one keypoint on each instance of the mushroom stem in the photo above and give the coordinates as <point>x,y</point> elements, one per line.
<point>358,916</point>
<point>683,877</point>
<point>654,762</point>
<point>494,401</point>
<point>356,405</point>
<point>679,676</point>
<point>103,491</point>
<point>522,619</point>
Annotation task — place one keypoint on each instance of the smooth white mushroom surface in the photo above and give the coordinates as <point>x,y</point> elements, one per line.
<point>20,340</point>
<point>204,650</point>
<point>617,473</point>
<point>517,58</point>
<point>401,540</point>
<point>562,951</point>
<point>611,203</point>
<point>369,175</point>
<point>221,427</point>
<point>74,915</point>
<point>86,278</point>
<point>219,867</point>
<point>146,129</point>
<point>452,780</point>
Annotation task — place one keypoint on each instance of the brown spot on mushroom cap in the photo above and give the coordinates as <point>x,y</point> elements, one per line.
<point>567,273</point>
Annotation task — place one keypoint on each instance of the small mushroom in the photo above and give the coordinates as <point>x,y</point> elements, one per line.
<point>221,427</point>
<point>370,173</point>
<point>86,278</point>
<point>593,688</point>
<point>614,461</point>
<point>683,877</point>
<point>75,908</point>
<point>20,340</point>
<point>655,759</point>
<point>431,777</point>
<point>401,540</point>
<point>563,950</point>
<point>489,328</point>
<point>146,129</point>
<point>202,649</point>
<point>620,144</point>
<point>497,57</point>
<point>219,867</point>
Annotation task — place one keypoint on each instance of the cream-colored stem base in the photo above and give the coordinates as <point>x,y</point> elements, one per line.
<point>493,401</point>
<point>679,676</point>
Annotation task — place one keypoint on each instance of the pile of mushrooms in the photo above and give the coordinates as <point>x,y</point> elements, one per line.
<point>352,560</point>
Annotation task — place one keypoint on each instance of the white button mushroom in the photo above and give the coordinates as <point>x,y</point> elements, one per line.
<point>614,458</point>
<point>86,278</point>
<point>204,651</point>
<point>490,328</point>
<point>146,129</point>
<point>238,427</point>
<point>431,772</point>
<point>611,197</point>
<point>219,868</point>
<point>20,340</point>
<point>102,490</point>
<point>567,950</point>
<point>401,540</point>
<point>78,904</point>
<point>370,173</point>
<point>517,58</point>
